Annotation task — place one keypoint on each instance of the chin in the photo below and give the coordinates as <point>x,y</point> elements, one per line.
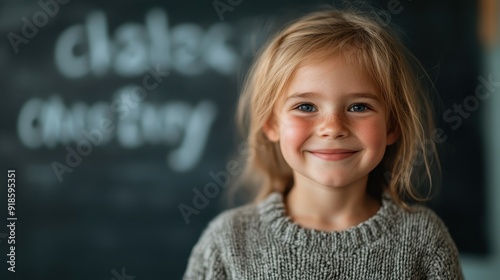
<point>333,182</point>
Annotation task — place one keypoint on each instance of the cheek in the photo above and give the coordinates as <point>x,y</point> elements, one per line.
<point>374,133</point>
<point>294,130</point>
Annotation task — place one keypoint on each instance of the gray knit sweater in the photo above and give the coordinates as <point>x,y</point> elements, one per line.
<point>261,242</point>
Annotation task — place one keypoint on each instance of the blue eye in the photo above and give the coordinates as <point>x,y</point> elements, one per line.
<point>358,108</point>
<point>306,108</point>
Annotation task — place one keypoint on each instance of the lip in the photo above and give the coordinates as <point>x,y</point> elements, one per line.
<point>333,154</point>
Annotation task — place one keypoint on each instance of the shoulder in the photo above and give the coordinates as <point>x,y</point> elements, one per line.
<point>422,227</point>
<point>421,221</point>
<point>235,218</point>
<point>440,254</point>
<point>209,255</point>
<point>423,233</point>
<point>231,223</point>
<point>222,231</point>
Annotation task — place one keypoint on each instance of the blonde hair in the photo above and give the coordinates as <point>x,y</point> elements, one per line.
<point>398,75</point>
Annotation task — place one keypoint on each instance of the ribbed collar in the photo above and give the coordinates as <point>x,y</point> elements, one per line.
<point>272,213</point>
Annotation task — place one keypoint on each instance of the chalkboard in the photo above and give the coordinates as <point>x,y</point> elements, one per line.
<point>116,114</point>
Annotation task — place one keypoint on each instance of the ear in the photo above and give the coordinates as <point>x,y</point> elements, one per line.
<point>271,130</point>
<point>393,136</point>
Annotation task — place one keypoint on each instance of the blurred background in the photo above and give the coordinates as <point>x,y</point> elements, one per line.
<point>117,115</point>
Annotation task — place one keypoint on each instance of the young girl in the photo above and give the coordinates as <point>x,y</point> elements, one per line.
<point>339,125</point>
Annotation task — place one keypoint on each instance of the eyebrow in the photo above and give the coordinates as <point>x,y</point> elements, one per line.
<point>298,95</point>
<point>308,94</point>
<point>365,95</point>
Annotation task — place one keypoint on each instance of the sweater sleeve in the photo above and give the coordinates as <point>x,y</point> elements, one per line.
<point>205,261</point>
<point>442,260</point>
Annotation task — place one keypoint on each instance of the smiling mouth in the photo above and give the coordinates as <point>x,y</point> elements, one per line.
<point>337,154</point>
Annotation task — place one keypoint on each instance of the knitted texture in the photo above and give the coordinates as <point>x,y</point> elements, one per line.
<point>261,242</point>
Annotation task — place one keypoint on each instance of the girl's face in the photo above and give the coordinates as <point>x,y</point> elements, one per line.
<point>331,124</point>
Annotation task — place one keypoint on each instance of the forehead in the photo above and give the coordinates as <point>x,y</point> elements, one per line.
<point>336,73</point>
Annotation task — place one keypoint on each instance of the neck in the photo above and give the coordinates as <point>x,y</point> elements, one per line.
<point>330,208</point>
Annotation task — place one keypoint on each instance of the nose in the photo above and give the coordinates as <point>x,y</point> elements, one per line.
<point>333,126</point>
